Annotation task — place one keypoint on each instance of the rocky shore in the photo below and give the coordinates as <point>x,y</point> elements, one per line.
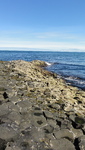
<point>38,110</point>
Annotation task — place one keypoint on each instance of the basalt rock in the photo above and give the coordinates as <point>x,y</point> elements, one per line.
<point>38,110</point>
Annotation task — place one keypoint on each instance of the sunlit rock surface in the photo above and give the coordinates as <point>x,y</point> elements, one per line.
<point>38,110</point>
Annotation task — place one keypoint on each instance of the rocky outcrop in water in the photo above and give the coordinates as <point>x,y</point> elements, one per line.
<point>38,110</point>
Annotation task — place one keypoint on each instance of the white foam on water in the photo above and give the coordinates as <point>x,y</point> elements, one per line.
<point>75,79</point>
<point>48,64</point>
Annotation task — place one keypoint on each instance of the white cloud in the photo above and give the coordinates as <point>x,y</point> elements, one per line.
<point>42,45</point>
<point>58,40</point>
<point>56,35</point>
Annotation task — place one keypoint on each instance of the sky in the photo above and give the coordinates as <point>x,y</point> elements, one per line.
<point>53,25</point>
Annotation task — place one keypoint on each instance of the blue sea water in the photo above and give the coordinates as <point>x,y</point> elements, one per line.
<point>69,65</point>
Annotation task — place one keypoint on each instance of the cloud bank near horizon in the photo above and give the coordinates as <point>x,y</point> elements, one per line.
<point>33,45</point>
<point>52,41</point>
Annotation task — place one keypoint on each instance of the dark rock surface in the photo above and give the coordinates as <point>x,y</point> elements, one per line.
<point>39,111</point>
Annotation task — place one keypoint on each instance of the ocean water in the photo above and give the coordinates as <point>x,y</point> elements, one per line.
<point>68,65</point>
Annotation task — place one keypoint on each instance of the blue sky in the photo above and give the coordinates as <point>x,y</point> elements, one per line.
<point>57,25</point>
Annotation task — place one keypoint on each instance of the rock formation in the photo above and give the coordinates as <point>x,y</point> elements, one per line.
<point>38,110</point>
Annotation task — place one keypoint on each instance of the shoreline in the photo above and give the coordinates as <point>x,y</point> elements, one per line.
<point>35,102</point>
<point>70,80</point>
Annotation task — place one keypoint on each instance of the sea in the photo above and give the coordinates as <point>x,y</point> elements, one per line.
<point>68,65</point>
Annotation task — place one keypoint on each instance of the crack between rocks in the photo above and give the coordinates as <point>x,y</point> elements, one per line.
<point>76,144</point>
<point>44,115</point>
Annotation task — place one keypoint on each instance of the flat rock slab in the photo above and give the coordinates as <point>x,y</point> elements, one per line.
<point>62,144</point>
<point>7,133</point>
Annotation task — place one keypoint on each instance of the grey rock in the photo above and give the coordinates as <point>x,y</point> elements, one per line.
<point>25,124</point>
<point>48,129</point>
<point>77,132</point>
<point>2,88</point>
<point>39,121</point>
<point>54,106</point>
<point>12,146</point>
<point>72,117</point>
<point>24,106</point>
<point>64,133</point>
<point>7,133</point>
<point>62,144</point>
<point>48,114</point>
<point>66,124</point>
<point>15,117</point>
<point>12,106</point>
<point>52,123</point>
<point>4,109</point>
<point>81,141</point>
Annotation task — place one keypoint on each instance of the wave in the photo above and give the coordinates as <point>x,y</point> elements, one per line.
<point>50,63</point>
<point>73,74</point>
<point>75,80</point>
